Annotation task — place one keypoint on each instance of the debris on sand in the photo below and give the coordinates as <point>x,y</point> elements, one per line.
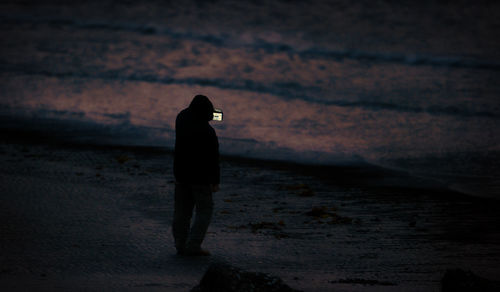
<point>321,212</point>
<point>363,282</point>
<point>236,227</point>
<point>458,280</point>
<point>295,187</point>
<point>302,190</point>
<point>281,235</point>
<point>122,159</point>
<point>264,225</point>
<point>324,212</point>
<point>277,209</point>
<point>225,278</point>
<point>276,229</point>
<point>306,193</point>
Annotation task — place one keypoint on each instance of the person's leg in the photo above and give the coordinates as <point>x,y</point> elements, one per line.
<point>204,208</point>
<point>183,210</point>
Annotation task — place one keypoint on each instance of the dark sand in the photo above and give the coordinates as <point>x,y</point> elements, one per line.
<point>98,219</point>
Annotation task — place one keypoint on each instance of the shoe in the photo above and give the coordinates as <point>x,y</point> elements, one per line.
<point>196,252</point>
<point>180,250</point>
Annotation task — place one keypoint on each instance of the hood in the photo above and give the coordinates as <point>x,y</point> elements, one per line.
<point>202,108</point>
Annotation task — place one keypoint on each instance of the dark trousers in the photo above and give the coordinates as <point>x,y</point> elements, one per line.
<point>187,197</point>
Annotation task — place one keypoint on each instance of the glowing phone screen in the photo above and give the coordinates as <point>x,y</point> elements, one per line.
<point>217,115</point>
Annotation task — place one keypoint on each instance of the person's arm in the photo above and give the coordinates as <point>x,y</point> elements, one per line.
<point>215,168</point>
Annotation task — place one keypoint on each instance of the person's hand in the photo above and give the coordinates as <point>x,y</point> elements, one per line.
<point>215,188</point>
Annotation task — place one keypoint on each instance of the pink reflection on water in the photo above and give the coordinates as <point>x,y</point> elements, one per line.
<point>116,78</point>
<point>272,121</point>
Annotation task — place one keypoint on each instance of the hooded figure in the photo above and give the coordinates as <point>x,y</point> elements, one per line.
<point>197,175</point>
<point>196,159</point>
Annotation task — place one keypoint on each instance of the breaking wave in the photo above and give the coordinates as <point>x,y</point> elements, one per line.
<point>287,91</point>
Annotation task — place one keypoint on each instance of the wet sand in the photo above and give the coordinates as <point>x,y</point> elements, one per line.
<point>98,218</point>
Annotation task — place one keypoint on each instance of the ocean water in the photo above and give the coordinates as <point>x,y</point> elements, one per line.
<point>403,85</point>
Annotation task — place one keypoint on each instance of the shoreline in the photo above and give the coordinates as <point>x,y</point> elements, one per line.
<point>396,174</point>
<point>357,174</point>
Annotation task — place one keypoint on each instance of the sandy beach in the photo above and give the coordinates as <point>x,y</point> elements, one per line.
<point>97,218</point>
<point>359,145</point>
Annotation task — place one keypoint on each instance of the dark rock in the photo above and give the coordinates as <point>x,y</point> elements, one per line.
<point>363,282</point>
<point>226,278</point>
<point>458,280</point>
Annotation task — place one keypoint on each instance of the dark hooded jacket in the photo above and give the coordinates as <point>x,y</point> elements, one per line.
<point>196,159</point>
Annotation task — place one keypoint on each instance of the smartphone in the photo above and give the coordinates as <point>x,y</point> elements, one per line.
<point>217,115</point>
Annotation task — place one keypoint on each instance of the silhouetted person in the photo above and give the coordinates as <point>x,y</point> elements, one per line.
<point>197,175</point>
